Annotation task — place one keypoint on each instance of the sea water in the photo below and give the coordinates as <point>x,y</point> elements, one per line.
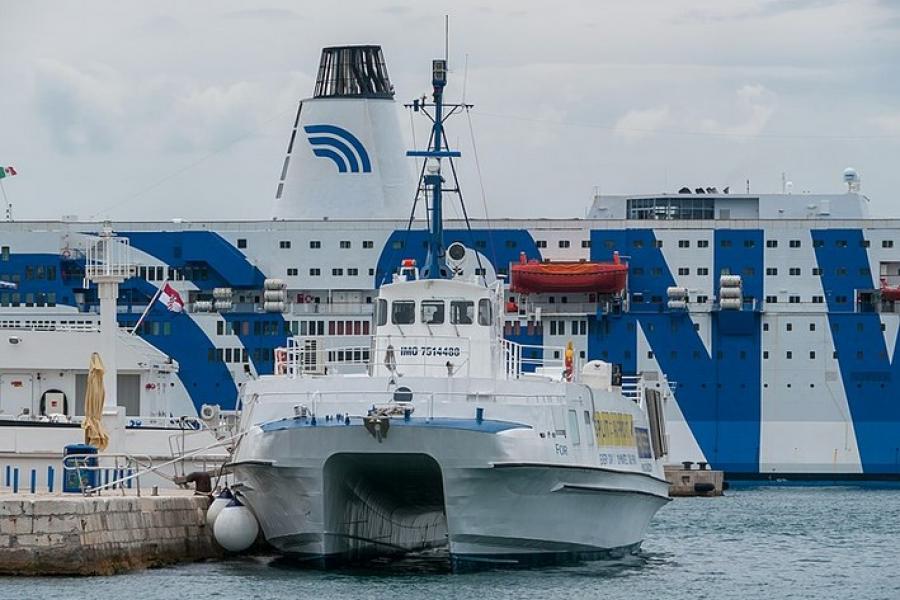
<point>763,542</point>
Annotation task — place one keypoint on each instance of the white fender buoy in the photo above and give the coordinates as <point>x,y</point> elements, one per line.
<point>235,527</point>
<point>219,502</point>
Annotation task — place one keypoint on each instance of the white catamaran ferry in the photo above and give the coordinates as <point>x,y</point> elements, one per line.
<point>439,436</point>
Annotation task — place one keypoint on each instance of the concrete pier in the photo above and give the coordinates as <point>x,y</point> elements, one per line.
<point>43,534</point>
<point>685,481</point>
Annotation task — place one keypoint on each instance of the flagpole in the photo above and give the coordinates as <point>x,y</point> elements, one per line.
<point>149,306</point>
<point>6,201</point>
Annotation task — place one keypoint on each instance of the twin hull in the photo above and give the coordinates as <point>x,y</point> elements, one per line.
<point>330,492</point>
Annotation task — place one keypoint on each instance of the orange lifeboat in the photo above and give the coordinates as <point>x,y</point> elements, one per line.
<point>534,277</point>
<point>888,292</point>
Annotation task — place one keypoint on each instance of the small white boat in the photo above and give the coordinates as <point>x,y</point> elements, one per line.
<point>443,434</point>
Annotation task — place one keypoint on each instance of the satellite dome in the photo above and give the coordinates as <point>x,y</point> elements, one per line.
<point>851,178</point>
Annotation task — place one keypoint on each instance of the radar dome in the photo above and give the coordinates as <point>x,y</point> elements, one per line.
<point>851,178</point>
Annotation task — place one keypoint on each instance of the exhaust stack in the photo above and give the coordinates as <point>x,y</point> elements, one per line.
<point>346,157</point>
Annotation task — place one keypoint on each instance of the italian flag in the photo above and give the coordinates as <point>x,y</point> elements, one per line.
<point>170,297</point>
<point>7,172</point>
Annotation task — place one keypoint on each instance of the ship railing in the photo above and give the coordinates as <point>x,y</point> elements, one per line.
<point>633,388</point>
<point>128,469</point>
<point>335,308</point>
<point>47,326</point>
<point>393,402</point>
<point>520,360</point>
<point>422,355</point>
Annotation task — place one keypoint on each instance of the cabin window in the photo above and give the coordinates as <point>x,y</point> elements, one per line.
<point>403,312</point>
<point>381,312</point>
<point>462,312</point>
<point>432,312</point>
<point>573,428</point>
<point>484,311</point>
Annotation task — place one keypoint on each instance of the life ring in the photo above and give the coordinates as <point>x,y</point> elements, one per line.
<point>307,298</point>
<point>66,254</point>
<point>281,361</point>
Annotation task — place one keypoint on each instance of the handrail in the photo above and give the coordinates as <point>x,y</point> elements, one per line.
<point>151,468</point>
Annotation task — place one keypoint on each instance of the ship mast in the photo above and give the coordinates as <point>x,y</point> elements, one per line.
<point>431,182</point>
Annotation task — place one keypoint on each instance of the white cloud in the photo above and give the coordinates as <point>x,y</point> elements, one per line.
<point>753,107</point>
<point>887,123</point>
<point>638,124</point>
<point>82,109</point>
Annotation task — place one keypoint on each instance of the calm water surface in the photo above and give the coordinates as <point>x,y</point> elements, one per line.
<point>767,543</point>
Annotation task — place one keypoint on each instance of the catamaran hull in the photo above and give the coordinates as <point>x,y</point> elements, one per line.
<point>424,488</point>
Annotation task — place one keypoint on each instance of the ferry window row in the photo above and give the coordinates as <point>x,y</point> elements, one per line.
<point>316,244</point>
<point>188,272</point>
<point>335,272</point>
<point>154,328</point>
<point>29,299</point>
<point>747,243</point>
<point>228,355</point>
<point>860,354</point>
<point>562,243</point>
<point>860,327</point>
<point>433,312</point>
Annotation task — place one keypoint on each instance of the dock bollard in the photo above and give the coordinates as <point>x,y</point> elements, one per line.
<point>16,480</point>
<point>33,480</point>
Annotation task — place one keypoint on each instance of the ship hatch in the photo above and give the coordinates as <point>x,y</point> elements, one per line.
<point>383,505</point>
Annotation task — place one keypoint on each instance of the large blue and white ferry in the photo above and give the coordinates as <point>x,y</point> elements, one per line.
<point>768,319</point>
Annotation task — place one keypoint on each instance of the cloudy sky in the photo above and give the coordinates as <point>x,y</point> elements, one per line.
<point>155,110</point>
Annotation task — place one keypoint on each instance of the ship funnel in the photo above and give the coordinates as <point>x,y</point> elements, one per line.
<point>345,157</point>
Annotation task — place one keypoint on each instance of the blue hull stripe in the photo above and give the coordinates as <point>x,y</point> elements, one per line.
<point>485,426</point>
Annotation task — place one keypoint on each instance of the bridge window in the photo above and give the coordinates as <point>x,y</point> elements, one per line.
<point>381,312</point>
<point>432,312</point>
<point>462,312</point>
<point>661,209</point>
<point>484,312</point>
<point>403,312</point>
